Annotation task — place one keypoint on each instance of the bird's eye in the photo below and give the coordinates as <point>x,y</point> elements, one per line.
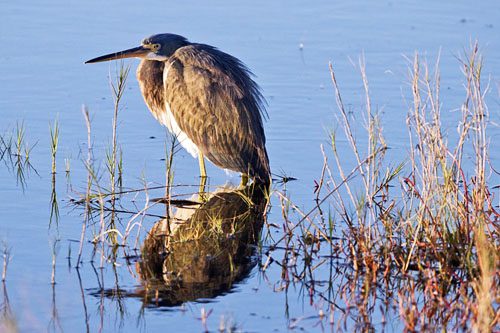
<point>155,47</point>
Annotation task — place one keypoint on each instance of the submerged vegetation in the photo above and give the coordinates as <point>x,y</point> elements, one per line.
<point>404,243</point>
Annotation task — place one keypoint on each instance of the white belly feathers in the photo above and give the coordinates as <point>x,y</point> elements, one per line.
<point>167,119</point>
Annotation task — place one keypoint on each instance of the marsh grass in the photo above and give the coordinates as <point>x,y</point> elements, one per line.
<point>114,156</point>
<point>415,239</point>
<point>114,162</point>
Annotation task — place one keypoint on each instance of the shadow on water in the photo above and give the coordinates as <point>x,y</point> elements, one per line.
<point>209,249</point>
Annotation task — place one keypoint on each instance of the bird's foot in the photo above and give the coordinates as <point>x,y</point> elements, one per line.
<point>244,180</point>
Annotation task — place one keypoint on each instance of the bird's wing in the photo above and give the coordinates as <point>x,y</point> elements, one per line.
<point>216,103</point>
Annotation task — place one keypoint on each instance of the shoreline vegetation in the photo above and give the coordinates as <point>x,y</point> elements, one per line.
<point>408,244</point>
<point>419,237</point>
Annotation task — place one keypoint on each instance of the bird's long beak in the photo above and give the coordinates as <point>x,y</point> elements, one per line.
<point>137,52</point>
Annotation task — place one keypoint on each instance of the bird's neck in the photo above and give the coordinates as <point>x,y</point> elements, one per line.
<point>150,77</point>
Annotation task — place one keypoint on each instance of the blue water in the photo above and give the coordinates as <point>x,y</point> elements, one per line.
<point>287,44</point>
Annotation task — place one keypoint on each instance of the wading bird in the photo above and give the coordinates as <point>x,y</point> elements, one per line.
<point>207,99</point>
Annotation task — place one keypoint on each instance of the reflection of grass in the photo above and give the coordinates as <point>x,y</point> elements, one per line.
<point>8,322</point>
<point>15,153</point>
<point>54,205</point>
<point>213,221</point>
<point>54,142</point>
<point>428,254</point>
<point>6,254</point>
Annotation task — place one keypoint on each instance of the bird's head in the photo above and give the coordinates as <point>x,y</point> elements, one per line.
<point>157,47</point>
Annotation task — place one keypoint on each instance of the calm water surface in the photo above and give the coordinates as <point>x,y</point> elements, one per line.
<point>287,44</point>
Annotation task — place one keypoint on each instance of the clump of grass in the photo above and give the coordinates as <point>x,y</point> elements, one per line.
<point>114,166</point>
<point>430,229</point>
<point>15,145</point>
<point>15,152</point>
<point>416,238</point>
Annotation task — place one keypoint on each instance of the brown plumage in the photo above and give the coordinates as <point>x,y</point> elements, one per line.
<point>207,98</point>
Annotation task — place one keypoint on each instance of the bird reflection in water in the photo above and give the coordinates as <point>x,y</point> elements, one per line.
<point>211,247</point>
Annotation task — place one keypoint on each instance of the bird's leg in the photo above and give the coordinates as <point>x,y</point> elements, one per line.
<point>203,176</point>
<point>203,171</point>
<point>244,180</point>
